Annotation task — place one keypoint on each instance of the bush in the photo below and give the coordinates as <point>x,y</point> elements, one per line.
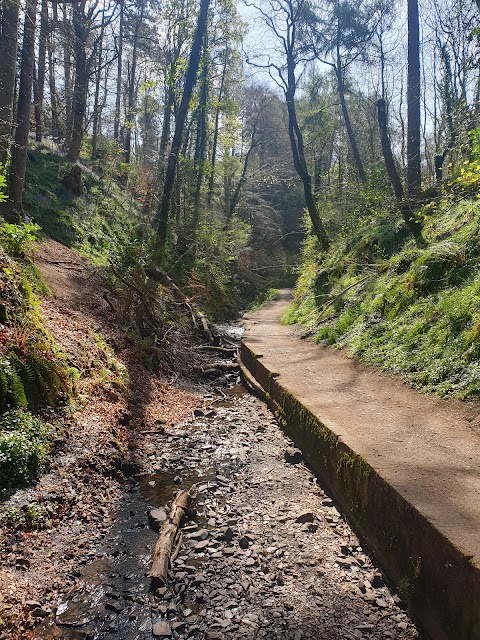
<point>24,445</point>
<point>17,238</point>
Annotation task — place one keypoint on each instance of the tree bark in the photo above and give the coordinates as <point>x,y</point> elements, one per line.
<point>448,103</point>
<point>166,125</point>
<point>298,152</point>
<point>168,538</point>
<point>201,144</point>
<point>39,83</point>
<point>131,105</point>
<point>387,151</point>
<point>190,79</point>
<point>405,208</point>
<point>80,89</point>
<point>116,118</point>
<point>346,117</point>
<point>8,65</point>
<point>19,154</point>
<point>96,103</point>
<point>414,171</point>
<point>51,77</point>
<point>67,75</point>
<point>213,158</point>
<point>235,199</point>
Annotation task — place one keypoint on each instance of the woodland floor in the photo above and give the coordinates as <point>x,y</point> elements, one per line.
<point>266,555</point>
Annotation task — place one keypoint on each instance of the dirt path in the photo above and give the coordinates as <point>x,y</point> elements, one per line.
<point>75,502</point>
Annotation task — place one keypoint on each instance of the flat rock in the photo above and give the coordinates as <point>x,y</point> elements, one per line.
<point>201,534</point>
<point>162,630</point>
<point>157,517</point>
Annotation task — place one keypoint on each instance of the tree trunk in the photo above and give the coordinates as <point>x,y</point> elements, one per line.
<point>346,117</point>
<point>414,171</point>
<point>317,174</point>
<point>448,104</point>
<point>51,76</point>
<point>80,90</point>
<point>116,118</point>
<point>67,75</point>
<point>211,182</point>
<point>387,151</point>
<point>405,208</point>
<point>166,124</point>
<point>201,144</point>
<point>299,161</point>
<point>8,65</point>
<point>131,105</point>
<point>39,83</point>
<point>96,103</point>
<point>235,199</point>
<point>19,155</point>
<point>190,79</point>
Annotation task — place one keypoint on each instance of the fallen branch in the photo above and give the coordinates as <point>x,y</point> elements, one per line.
<point>218,366</point>
<point>229,351</point>
<point>330,303</point>
<point>170,538</point>
<point>198,317</point>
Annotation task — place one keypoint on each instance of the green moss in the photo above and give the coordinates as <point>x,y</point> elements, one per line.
<point>100,224</point>
<point>354,463</point>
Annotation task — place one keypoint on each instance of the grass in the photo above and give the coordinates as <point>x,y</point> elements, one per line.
<point>411,311</point>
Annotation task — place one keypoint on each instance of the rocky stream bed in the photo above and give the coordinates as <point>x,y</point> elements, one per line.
<point>265,553</point>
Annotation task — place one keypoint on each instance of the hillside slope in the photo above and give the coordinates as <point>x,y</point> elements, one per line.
<point>409,310</point>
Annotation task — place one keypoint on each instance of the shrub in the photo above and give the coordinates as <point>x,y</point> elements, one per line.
<point>24,445</point>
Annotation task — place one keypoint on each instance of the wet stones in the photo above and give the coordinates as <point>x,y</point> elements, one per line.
<point>265,554</point>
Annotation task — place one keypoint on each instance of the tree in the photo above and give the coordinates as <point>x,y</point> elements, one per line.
<point>132,78</point>
<point>286,19</point>
<point>84,20</point>
<point>414,167</point>
<point>8,65</point>
<point>190,79</point>
<point>39,76</point>
<point>341,37</point>
<point>19,154</point>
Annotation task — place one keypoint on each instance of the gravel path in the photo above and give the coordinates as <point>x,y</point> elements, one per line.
<point>267,554</point>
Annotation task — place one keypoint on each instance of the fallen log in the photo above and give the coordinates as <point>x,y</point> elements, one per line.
<point>169,538</point>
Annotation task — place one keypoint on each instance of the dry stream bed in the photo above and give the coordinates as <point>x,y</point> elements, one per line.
<point>265,553</point>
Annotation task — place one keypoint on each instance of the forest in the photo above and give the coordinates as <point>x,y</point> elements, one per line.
<point>189,160</point>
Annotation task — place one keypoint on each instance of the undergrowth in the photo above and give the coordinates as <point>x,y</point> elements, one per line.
<point>411,311</point>
<point>34,374</point>
<point>97,225</point>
